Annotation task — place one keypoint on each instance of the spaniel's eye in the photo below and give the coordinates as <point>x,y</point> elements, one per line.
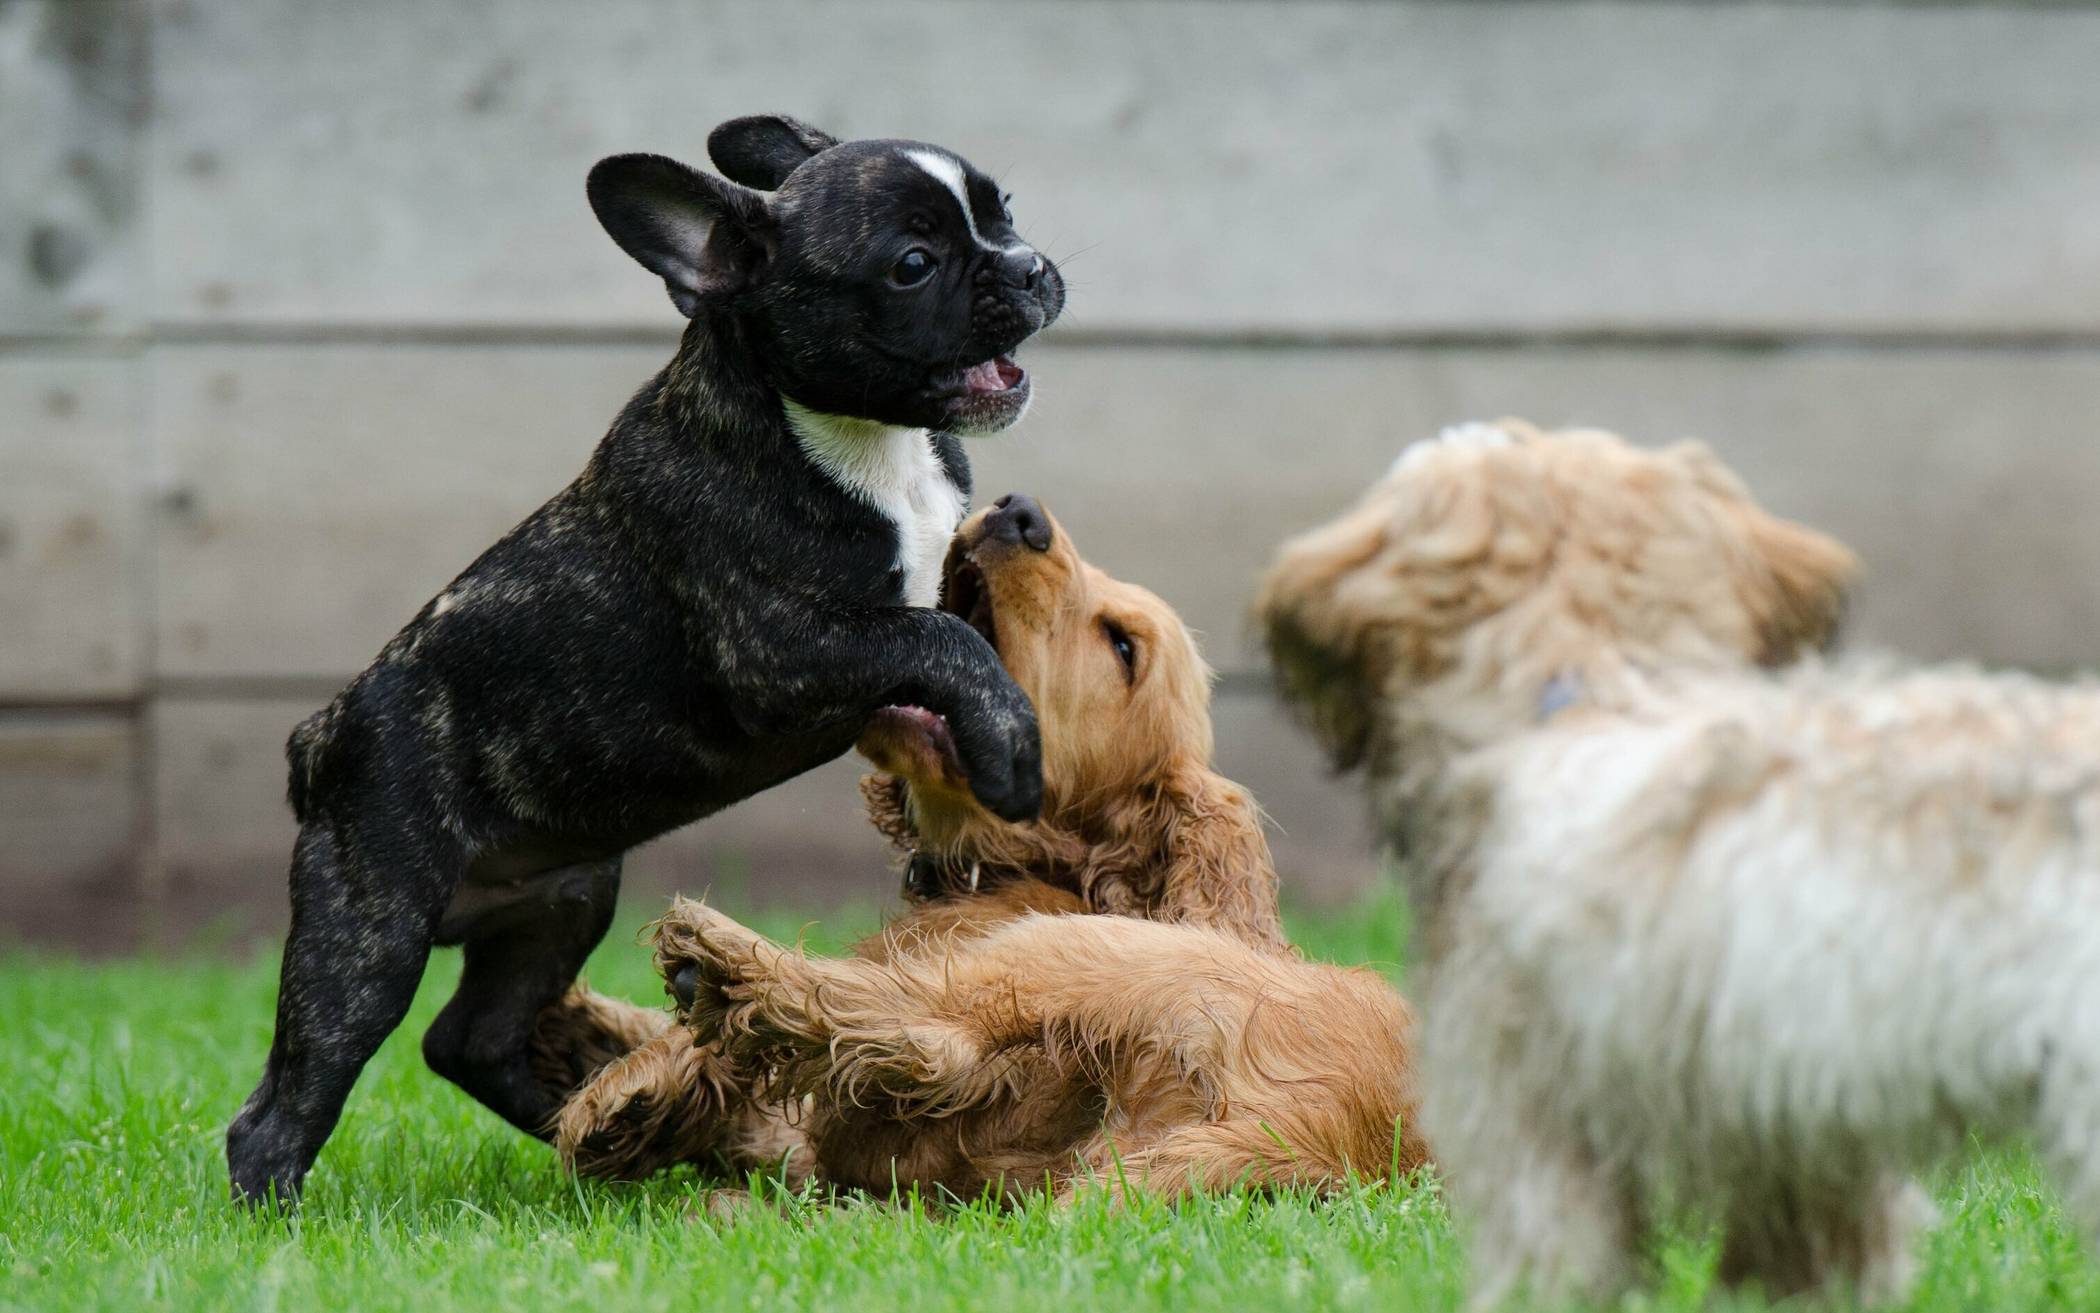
<point>1120,643</point>
<point>912,268</point>
<point>1006,206</point>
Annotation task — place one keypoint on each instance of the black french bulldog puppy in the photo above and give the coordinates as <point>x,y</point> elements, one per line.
<point>743,573</point>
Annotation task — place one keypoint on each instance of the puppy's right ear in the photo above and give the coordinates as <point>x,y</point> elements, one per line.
<point>761,150</point>
<point>701,235</point>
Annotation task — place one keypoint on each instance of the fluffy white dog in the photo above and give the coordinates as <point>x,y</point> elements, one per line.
<point>1697,936</point>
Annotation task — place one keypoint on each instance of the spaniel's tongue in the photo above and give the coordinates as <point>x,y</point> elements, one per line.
<point>986,377</point>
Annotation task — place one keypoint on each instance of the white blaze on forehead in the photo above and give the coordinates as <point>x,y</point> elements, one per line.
<point>948,172</point>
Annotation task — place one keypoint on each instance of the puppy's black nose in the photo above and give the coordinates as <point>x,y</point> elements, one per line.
<point>1022,268</point>
<point>1016,518</point>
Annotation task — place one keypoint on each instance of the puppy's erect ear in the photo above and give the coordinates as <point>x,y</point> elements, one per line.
<point>701,235</point>
<point>761,150</point>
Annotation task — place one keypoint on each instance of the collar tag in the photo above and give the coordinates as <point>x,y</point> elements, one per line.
<point>1564,690</point>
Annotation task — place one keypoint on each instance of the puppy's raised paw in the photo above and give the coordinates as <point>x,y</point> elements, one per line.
<point>723,976</point>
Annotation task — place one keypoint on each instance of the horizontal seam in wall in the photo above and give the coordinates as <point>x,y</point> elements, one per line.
<point>1686,338</point>
<point>319,688</point>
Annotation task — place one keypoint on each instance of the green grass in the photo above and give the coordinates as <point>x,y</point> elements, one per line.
<point>120,1077</point>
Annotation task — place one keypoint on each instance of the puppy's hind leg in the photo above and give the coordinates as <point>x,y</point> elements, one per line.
<point>520,957</point>
<point>363,915</point>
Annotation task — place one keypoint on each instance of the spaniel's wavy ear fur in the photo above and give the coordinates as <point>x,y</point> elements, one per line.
<point>1189,848</point>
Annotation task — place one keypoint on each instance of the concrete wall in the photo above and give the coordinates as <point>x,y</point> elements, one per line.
<point>300,305</point>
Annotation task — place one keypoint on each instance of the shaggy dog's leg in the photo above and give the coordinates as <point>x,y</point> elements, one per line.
<point>2067,1126</point>
<point>1556,1222</point>
<point>671,1101</point>
<point>581,1033</point>
<point>1546,1215</point>
<point>1850,1239</point>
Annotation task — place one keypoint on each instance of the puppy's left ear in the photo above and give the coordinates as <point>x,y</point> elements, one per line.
<point>701,235</point>
<point>761,150</point>
<point>1218,869</point>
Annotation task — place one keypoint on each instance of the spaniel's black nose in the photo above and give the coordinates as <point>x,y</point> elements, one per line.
<point>1016,518</point>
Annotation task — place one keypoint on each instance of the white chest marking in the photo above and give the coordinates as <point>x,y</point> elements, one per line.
<point>950,175</point>
<point>895,472</point>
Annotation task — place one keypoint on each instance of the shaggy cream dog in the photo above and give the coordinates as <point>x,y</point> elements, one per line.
<point>1697,936</point>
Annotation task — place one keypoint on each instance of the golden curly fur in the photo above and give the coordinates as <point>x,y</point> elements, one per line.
<point>1134,822</point>
<point>1169,1058</point>
<point>1759,944</point>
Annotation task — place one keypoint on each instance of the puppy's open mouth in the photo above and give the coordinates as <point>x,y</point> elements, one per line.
<point>983,398</point>
<point>992,377</point>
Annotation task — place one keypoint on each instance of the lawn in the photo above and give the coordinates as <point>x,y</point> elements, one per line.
<point>120,1078</point>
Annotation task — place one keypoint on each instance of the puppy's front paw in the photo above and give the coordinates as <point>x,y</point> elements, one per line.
<point>1005,764</point>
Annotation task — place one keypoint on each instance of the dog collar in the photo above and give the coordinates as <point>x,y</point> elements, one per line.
<point>928,877</point>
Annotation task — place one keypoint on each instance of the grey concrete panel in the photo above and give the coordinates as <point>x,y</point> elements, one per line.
<point>1228,167</point>
<point>71,526</point>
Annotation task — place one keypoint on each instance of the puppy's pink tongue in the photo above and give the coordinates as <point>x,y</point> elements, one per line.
<point>984,378</point>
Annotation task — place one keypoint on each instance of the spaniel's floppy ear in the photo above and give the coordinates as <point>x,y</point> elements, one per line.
<point>1195,854</point>
<point>761,150</point>
<point>702,235</point>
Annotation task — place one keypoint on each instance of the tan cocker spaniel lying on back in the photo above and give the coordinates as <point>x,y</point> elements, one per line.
<point>993,1037</point>
<point>1757,945</point>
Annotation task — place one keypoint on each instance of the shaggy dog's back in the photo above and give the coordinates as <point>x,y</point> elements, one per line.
<point>1865,911</point>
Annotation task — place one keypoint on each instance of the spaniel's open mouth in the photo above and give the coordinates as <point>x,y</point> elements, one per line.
<point>912,741</point>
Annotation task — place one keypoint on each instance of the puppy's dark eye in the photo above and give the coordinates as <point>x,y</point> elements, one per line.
<point>912,268</point>
<point>1006,206</point>
<point>1120,642</point>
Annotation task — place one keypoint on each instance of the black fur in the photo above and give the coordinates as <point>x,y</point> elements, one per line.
<point>702,614</point>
